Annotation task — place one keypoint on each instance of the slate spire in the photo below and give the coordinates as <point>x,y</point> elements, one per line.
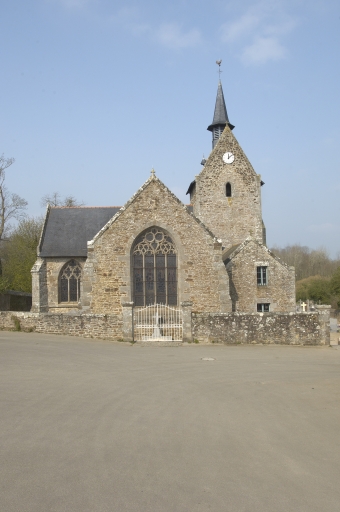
<point>220,116</point>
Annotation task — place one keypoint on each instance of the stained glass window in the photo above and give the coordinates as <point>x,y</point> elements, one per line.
<point>70,276</point>
<point>154,269</point>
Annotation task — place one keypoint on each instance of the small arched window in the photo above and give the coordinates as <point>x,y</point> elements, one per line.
<point>154,261</point>
<point>228,189</point>
<point>69,282</point>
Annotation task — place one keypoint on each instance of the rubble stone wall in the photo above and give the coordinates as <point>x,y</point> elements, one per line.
<point>266,328</point>
<point>279,292</point>
<point>226,328</point>
<point>88,326</point>
<point>202,277</point>
<point>232,219</point>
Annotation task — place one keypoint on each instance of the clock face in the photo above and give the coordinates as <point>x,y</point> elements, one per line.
<point>228,157</point>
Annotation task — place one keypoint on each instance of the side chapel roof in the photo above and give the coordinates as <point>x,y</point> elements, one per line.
<point>67,230</point>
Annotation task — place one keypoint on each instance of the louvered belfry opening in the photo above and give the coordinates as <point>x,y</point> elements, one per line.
<point>154,269</point>
<point>70,277</point>
<point>216,134</point>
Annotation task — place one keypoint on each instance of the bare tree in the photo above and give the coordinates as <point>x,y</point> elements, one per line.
<point>308,262</point>
<point>12,206</point>
<point>55,199</point>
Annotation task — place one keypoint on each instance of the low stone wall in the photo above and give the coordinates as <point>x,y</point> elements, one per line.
<point>228,328</point>
<point>87,325</point>
<point>277,328</point>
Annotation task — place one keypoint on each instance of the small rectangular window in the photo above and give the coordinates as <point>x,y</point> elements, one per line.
<point>261,276</point>
<point>263,308</point>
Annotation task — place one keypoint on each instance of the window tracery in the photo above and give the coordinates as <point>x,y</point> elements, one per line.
<point>69,282</point>
<point>154,269</point>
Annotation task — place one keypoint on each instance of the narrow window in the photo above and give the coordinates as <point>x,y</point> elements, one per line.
<point>262,276</point>
<point>69,282</point>
<point>263,308</point>
<point>228,189</point>
<point>154,269</point>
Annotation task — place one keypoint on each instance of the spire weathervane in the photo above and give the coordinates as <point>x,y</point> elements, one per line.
<point>219,62</point>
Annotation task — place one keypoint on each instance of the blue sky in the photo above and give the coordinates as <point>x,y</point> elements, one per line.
<point>94,93</point>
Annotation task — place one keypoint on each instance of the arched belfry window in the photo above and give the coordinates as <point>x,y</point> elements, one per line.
<point>154,260</point>
<point>69,282</point>
<point>228,189</point>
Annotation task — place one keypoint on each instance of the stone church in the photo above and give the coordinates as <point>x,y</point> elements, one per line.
<point>210,254</point>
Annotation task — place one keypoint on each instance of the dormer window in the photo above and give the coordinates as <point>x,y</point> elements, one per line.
<point>228,189</point>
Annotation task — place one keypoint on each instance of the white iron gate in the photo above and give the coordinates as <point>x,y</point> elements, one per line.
<point>158,323</point>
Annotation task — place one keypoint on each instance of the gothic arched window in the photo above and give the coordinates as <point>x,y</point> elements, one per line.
<point>154,261</point>
<point>69,282</point>
<point>228,189</point>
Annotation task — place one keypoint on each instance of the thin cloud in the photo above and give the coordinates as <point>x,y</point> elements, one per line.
<point>130,19</point>
<point>258,34</point>
<point>73,4</point>
<point>326,227</point>
<point>172,36</point>
<point>245,25</point>
<point>262,50</point>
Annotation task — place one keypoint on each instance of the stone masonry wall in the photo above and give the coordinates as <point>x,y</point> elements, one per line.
<point>45,285</point>
<point>228,328</point>
<point>53,269</point>
<point>279,291</point>
<point>202,278</point>
<point>232,219</point>
<point>89,326</point>
<point>268,328</point>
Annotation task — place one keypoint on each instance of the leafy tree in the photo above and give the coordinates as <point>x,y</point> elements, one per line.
<point>316,288</point>
<point>319,290</point>
<point>335,285</point>
<point>56,199</point>
<point>12,206</point>
<point>19,253</point>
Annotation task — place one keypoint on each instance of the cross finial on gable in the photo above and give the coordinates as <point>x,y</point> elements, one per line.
<point>153,172</point>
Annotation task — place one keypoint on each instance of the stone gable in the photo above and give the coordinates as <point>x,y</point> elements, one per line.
<point>242,263</point>
<point>202,277</point>
<point>231,219</point>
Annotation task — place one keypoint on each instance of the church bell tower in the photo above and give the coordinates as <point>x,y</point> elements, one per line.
<point>226,194</point>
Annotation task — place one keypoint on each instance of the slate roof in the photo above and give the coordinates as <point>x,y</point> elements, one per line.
<point>67,230</point>
<point>220,112</point>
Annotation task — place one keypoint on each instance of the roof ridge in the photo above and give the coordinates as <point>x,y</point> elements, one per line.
<point>79,207</point>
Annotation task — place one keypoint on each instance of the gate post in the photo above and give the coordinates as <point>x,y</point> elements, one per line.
<point>186,317</point>
<point>127,321</point>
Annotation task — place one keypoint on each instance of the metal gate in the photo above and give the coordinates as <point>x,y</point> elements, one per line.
<point>158,323</point>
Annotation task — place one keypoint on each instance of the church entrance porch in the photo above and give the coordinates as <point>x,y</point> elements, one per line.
<point>157,322</point>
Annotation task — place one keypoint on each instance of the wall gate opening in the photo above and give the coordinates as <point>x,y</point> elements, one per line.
<point>158,322</point>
